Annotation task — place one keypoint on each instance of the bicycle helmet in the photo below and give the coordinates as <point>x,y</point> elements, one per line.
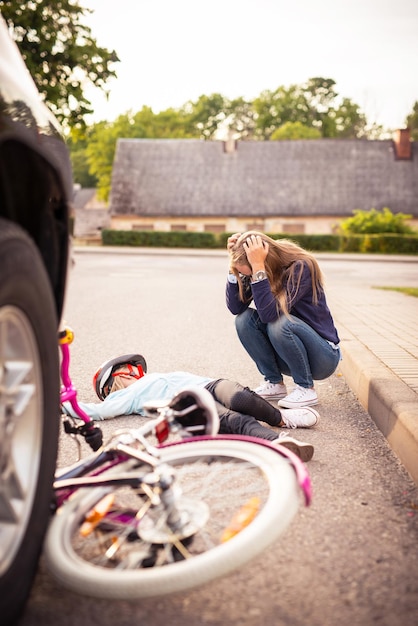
<point>103,377</point>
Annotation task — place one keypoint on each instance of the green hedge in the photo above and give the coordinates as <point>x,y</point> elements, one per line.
<point>319,243</point>
<point>379,244</point>
<point>159,239</point>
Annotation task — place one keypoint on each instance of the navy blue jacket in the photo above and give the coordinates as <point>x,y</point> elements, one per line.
<point>318,316</point>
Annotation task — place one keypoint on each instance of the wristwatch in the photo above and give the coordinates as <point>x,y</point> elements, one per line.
<point>260,275</point>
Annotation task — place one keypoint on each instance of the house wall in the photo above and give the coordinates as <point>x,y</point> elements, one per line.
<point>88,223</point>
<point>320,225</point>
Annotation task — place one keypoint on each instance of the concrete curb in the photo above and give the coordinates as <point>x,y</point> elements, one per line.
<point>389,401</point>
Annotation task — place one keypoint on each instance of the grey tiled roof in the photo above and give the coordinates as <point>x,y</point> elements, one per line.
<point>271,178</point>
<point>82,196</point>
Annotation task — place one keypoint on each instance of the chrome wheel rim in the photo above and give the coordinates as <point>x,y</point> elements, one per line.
<point>21,422</point>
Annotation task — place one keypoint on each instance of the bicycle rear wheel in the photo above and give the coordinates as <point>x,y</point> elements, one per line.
<point>132,554</point>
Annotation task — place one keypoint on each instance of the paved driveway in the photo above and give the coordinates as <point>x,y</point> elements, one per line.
<point>351,558</point>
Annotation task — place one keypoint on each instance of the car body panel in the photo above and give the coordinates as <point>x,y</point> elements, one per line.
<point>36,186</point>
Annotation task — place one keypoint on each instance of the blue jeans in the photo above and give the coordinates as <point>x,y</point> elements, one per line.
<point>287,346</point>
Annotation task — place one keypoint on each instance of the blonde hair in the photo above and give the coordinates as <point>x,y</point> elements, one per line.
<point>284,267</point>
<point>121,381</point>
<point>116,384</point>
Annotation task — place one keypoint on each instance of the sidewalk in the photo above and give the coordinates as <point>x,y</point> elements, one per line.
<point>379,343</point>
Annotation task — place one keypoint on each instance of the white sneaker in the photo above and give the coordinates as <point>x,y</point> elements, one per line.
<point>303,450</point>
<point>271,391</point>
<point>299,397</point>
<point>300,418</point>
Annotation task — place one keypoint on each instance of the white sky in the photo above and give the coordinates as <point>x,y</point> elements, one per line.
<point>172,51</point>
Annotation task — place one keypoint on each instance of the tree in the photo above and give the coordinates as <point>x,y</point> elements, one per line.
<point>314,104</point>
<point>60,53</point>
<point>81,169</point>
<point>100,145</point>
<point>320,95</point>
<point>295,130</point>
<point>412,122</point>
<point>207,114</point>
<point>77,143</point>
<point>275,108</point>
<point>101,148</point>
<point>168,124</point>
<point>350,122</point>
<point>240,118</point>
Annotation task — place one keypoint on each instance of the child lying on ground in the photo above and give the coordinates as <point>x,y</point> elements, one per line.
<point>124,386</point>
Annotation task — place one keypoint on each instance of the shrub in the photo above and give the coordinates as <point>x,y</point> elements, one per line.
<point>373,221</point>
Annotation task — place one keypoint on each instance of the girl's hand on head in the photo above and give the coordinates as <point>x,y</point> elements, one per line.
<point>256,250</point>
<point>232,240</point>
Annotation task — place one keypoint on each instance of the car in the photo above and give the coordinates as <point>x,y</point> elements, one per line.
<point>35,200</point>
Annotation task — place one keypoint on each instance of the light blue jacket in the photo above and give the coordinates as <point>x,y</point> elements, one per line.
<point>131,400</point>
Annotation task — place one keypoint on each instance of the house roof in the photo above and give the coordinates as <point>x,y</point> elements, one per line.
<point>83,196</point>
<point>162,177</point>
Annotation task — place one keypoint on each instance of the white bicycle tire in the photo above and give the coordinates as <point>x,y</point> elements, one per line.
<point>88,579</point>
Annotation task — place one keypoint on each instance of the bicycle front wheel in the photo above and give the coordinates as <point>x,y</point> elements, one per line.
<point>233,499</point>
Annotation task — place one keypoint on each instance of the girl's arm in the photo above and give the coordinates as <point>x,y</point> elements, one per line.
<point>233,302</point>
<point>116,404</point>
<point>266,303</point>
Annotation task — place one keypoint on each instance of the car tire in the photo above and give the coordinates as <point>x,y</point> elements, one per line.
<point>29,414</point>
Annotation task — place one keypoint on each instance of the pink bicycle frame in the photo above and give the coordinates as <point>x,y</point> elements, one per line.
<point>68,393</point>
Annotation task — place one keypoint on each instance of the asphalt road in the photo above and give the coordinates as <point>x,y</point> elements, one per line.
<point>349,559</point>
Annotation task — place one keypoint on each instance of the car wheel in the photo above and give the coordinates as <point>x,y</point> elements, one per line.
<point>29,413</point>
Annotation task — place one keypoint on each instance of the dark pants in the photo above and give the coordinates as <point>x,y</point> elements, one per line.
<point>239,410</point>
